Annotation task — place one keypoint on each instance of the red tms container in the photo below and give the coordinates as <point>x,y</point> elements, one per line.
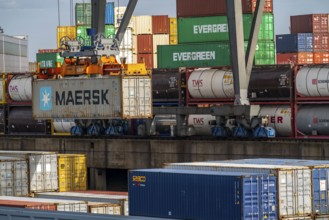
<point>315,23</point>
<point>28,205</point>
<point>160,24</point>
<point>296,58</point>
<point>145,43</point>
<point>199,8</point>
<point>146,58</point>
<point>321,42</point>
<point>321,57</point>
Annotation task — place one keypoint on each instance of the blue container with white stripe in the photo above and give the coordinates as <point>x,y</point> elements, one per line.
<point>293,43</point>
<point>202,195</point>
<point>109,13</point>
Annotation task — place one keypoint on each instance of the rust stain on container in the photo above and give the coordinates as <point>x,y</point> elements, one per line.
<point>160,24</point>
<point>312,23</point>
<point>144,43</point>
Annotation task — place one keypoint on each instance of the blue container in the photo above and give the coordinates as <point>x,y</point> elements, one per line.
<point>109,13</point>
<point>202,195</point>
<point>293,43</point>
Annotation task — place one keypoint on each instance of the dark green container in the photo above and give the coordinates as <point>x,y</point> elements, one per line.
<point>82,34</point>
<point>215,28</point>
<point>109,31</point>
<point>49,60</point>
<point>265,53</point>
<point>83,14</point>
<point>194,55</point>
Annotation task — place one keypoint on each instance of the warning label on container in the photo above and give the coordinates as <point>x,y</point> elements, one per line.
<point>323,185</point>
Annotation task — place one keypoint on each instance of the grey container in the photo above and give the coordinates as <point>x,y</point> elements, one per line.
<point>77,98</point>
<point>313,120</point>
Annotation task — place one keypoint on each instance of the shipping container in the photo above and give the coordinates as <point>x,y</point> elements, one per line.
<point>155,60</point>
<point>28,205</point>
<point>83,14</point>
<point>159,39</point>
<point>292,43</point>
<point>49,60</point>
<point>127,40</point>
<point>312,81</point>
<point>312,23</point>
<point>321,217</point>
<point>194,55</point>
<point>109,13</point>
<point>271,83</point>
<point>43,174</point>
<point>294,58</point>
<point>144,43</point>
<point>321,57</point>
<point>160,24</point>
<point>109,31</point>
<point>72,172</point>
<point>3,119</point>
<point>173,39</point>
<point>192,194</point>
<point>137,97</point>
<point>143,24</point>
<point>146,58</point>
<point>61,205</point>
<point>313,120</point>
<point>265,53</point>
<point>78,98</point>
<point>128,55</point>
<point>118,15</point>
<point>20,121</point>
<point>51,50</point>
<point>321,42</point>
<point>33,67</point>
<point>20,88</point>
<point>122,200</point>
<point>195,8</point>
<point>107,209</point>
<point>14,178</point>
<point>82,35</point>
<point>294,182</point>
<point>65,31</point>
<point>3,93</point>
<point>173,26</point>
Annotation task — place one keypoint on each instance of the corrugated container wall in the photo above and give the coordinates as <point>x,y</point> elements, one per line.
<point>160,24</point>
<point>196,8</point>
<point>109,13</point>
<point>321,57</point>
<point>297,58</point>
<point>194,55</point>
<point>83,14</point>
<point>321,42</point>
<point>118,15</point>
<point>173,38</point>
<point>65,31</point>
<point>146,58</point>
<point>49,60</point>
<point>159,39</point>
<point>291,43</point>
<point>28,205</point>
<point>145,43</point>
<point>142,24</point>
<point>107,209</point>
<point>82,34</point>
<point>127,41</point>
<point>198,195</point>
<point>33,67</point>
<point>265,53</point>
<point>72,172</point>
<point>313,23</point>
<point>109,31</point>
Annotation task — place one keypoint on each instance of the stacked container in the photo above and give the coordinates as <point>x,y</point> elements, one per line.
<point>173,38</point>
<point>161,30</point>
<point>308,42</point>
<point>65,33</point>
<point>203,35</point>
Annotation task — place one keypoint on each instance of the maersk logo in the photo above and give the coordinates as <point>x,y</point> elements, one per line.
<point>45,98</point>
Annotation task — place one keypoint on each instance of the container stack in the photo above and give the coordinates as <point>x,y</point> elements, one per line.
<point>161,31</point>
<point>203,38</point>
<point>308,42</point>
<point>173,38</point>
<point>83,22</point>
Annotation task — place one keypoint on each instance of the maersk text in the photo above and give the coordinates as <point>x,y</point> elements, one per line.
<point>210,28</point>
<point>187,56</point>
<point>82,97</point>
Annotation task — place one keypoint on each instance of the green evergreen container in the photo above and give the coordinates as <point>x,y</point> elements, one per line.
<point>49,60</point>
<point>82,34</point>
<point>109,31</point>
<point>194,55</point>
<point>83,14</point>
<point>265,53</point>
<point>215,28</point>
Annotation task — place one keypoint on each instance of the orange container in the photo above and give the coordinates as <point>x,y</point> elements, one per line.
<point>321,57</point>
<point>295,58</point>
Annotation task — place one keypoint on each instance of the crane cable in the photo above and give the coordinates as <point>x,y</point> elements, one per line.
<point>59,14</point>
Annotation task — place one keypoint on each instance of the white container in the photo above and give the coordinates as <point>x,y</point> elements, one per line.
<point>14,178</point>
<point>294,182</point>
<point>321,217</point>
<point>155,60</point>
<point>202,124</point>
<point>313,81</point>
<point>160,39</point>
<point>143,24</point>
<point>61,205</point>
<point>211,83</point>
<point>127,41</point>
<point>20,88</point>
<point>107,209</point>
<point>279,118</point>
<point>128,54</point>
<point>118,15</point>
<point>63,125</point>
<point>137,97</point>
<point>43,173</point>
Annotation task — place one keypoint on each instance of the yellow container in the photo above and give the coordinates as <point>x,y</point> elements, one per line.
<point>72,172</point>
<point>3,96</point>
<point>65,31</point>
<point>173,26</point>
<point>173,39</point>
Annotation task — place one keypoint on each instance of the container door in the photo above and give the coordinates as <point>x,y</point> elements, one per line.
<point>269,198</point>
<point>64,173</point>
<point>36,175</point>
<point>303,191</point>
<point>21,187</point>
<point>7,180</point>
<point>286,193</point>
<point>251,198</point>
<point>79,170</point>
<point>320,179</point>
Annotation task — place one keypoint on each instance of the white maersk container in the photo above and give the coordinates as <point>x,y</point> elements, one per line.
<point>294,182</point>
<point>43,170</point>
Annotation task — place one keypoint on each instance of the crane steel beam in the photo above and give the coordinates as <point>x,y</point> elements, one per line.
<point>235,25</point>
<point>253,38</point>
<point>98,15</point>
